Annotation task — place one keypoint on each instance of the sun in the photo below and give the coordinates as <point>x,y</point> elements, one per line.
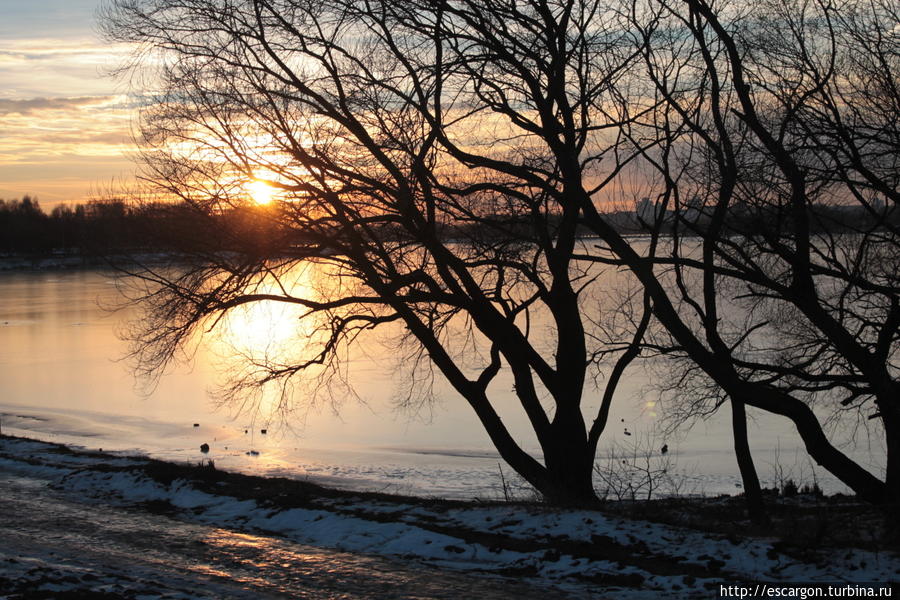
<point>260,191</point>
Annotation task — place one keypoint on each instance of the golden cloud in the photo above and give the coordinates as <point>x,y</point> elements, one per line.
<point>32,105</point>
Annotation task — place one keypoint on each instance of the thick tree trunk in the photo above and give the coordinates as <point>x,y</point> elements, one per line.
<point>752,489</point>
<point>569,459</point>
<point>570,476</point>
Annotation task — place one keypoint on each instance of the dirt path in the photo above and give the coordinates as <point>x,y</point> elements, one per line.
<point>54,546</point>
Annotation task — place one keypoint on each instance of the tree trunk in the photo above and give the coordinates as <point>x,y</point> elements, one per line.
<point>569,460</point>
<point>570,476</point>
<point>752,489</point>
<point>864,484</point>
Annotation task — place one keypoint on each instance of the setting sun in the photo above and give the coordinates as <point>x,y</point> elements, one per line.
<point>260,192</point>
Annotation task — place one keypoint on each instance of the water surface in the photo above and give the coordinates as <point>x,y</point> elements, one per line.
<point>63,379</point>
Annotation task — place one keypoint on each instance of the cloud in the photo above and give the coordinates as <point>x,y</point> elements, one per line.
<point>32,105</point>
<point>115,138</point>
<point>65,125</point>
<point>85,50</point>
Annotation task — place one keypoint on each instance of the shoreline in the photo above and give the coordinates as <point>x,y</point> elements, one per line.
<point>72,261</point>
<point>629,549</point>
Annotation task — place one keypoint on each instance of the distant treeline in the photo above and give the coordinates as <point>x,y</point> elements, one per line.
<point>116,227</point>
<point>86,228</point>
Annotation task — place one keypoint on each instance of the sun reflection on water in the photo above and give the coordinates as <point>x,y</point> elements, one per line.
<point>266,334</point>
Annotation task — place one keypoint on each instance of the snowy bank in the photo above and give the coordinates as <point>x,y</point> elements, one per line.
<point>580,551</point>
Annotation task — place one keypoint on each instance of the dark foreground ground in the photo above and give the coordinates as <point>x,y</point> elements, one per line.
<point>90,525</point>
<point>57,547</point>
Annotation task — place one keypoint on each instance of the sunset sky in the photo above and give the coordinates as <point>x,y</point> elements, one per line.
<point>65,127</point>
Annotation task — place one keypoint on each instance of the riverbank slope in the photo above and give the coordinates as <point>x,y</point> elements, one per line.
<point>578,552</point>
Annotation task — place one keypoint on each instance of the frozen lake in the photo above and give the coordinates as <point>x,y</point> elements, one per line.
<point>63,380</point>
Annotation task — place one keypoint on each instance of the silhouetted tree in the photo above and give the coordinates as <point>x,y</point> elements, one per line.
<point>775,144</point>
<point>387,127</point>
<point>22,225</point>
<point>383,129</point>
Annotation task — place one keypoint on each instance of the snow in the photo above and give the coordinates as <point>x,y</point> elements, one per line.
<point>459,537</point>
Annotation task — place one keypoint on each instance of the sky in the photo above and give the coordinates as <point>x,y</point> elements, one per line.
<point>65,125</point>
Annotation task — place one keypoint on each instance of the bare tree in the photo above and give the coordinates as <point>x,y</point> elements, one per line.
<point>778,186</point>
<point>389,129</point>
<point>409,160</point>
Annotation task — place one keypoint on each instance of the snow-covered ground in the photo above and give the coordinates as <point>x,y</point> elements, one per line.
<point>582,552</point>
